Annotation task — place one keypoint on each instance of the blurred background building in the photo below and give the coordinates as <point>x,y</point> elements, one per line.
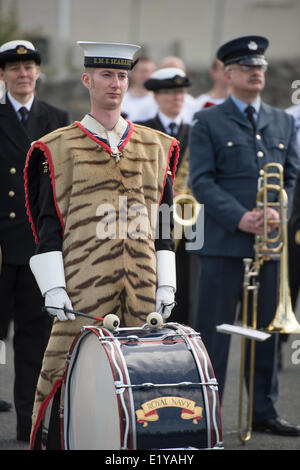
<point>190,29</point>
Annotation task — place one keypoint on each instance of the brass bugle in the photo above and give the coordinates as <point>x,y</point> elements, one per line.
<point>186,211</point>
<point>186,207</point>
<point>182,200</point>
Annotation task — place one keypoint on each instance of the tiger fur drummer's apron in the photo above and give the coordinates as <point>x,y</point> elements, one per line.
<point>95,195</point>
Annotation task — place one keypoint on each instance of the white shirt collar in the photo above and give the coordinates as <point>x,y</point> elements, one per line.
<point>113,136</point>
<point>17,105</point>
<point>165,120</point>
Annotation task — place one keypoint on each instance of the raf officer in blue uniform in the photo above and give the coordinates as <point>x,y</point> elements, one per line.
<point>229,145</point>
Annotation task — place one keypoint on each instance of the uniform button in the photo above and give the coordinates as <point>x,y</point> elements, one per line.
<point>229,143</point>
<point>12,215</point>
<point>13,171</point>
<point>260,153</point>
<point>281,145</point>
<point>11,193</point>
<point>258,136</point>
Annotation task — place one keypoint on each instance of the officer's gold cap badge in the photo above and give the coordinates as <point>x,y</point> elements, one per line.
<point>178,80</point>
<point>21,50</point>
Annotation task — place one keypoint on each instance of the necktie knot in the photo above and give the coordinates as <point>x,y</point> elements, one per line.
<point>24,114</point>
<point>172,127</point>
<point>250,112</point>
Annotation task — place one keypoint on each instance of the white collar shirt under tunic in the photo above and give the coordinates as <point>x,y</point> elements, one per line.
<point>113,136</point>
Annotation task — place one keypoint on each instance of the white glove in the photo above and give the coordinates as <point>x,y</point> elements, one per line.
<point>48,270</point>
<point>166,282</point>
<point>59,298</point>
<point>165,301</point>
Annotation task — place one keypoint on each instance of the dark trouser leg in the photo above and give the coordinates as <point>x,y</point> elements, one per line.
<point>180,312</point>
<point>6,299</point>
<point>6,308</point>
<point>194,273</point>
<point>219,286</point>
<point>265,379</point>
<point>294,271</point>
<point>53,441</point>
<point>32,330</point>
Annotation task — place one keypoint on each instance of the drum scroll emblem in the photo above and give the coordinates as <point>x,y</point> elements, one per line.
<point>148,411</point>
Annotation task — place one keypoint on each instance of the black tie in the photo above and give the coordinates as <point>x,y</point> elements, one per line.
<point>250,111</point>
<point>24,113</point>
<point>172,127</point>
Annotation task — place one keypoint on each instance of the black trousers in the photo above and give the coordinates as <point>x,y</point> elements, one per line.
<point>294,269</point>
<point>181,311</point>
<point>186,279</point>
<point>21,298</point>
<point>219,291</point>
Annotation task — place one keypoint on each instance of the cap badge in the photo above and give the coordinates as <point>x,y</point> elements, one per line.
<point>21,50</point>
<point>252,46</point>
<point>178,80</point>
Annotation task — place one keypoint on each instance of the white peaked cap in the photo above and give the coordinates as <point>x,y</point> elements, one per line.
<point>166,78</point>
<point>168,72</point>
<point>15,44</point>
<point>18,50</point>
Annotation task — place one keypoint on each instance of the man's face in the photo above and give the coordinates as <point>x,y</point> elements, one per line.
<point>142,71</point>
<point>217,73</point>
<point>170,101</point>
<point>106,86</point>
<point>20,77</point>
<point>246,80</point>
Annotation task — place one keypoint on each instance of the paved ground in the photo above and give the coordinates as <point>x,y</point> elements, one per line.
<point>288,404</point>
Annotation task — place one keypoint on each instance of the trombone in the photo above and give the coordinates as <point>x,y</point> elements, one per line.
<point>268,246</point>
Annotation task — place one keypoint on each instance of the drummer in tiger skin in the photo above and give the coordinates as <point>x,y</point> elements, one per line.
<point>90,173</point>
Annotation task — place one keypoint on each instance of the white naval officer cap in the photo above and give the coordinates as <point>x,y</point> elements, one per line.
<point>165,78</point>
<point>18,50</point>
<point>109,55</point>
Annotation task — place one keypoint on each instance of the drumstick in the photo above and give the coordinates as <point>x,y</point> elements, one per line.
<point>68,310</point>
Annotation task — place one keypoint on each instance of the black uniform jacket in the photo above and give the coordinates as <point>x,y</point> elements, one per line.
<point>16,238</point>
<point>182,135</point>
<point>295,218</point>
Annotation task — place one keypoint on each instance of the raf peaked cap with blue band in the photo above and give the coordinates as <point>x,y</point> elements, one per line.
<point>109,55</point>
<point>18,50</point>
<point>246,50</point>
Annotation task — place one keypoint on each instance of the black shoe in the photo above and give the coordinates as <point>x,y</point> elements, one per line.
<point>277,426</point>
<point>23,434</point>
<point>5,405</point>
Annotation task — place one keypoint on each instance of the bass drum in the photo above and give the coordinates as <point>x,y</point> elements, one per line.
<point>140,388</point>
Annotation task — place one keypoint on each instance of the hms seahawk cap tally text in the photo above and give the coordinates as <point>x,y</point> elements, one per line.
<point>109,55</point>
